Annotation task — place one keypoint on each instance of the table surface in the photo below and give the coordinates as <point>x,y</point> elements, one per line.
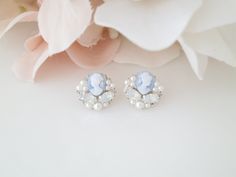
<point>46,132</point>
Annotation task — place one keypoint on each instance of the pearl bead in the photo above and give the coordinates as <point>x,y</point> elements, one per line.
<point>132,101</point>
<point>140,105</point>
<point>88,105</point>
<point>132,78</point>
<point>97,107</point>
<point>82,82</point>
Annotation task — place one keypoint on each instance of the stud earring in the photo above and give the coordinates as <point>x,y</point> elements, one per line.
<point>143,90</point>
<point>96,91</point>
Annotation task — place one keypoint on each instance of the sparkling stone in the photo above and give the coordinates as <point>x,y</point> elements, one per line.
<point>96,84</point>
<point>161,88</point>
<point>97,107</point>
<point>106,97</point>
<point>83,83</point>
<point>89,98</point>
<point>112,86</point>
<point>151,98</point>
<point>88,105</point>
<point>127,82</point>
<point>133,94</point>
<point>140,105</point>
<point>147,105</point>
<point>132,101</point>
<point>145,82</point>
<point>132,78</point>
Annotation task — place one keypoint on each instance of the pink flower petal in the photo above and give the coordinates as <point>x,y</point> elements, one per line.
<point>27,66</point>
<point>62,22</point>
<point>130,53</point>
<point>24,17</point>
<point>98,55</point>
<point>33,42</point>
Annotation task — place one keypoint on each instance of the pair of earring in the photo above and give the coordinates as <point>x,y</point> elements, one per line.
<point>142,89</point>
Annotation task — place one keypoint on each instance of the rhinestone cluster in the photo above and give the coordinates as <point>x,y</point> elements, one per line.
<point>96,92</point>
<point>143,90</point>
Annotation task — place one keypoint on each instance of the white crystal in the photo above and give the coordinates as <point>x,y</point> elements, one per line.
<point>140,105</point>
<point>151,98</point>
<point>133,94</point>
<point>83,83</point>
<point>127,82</point>
<point>132,101</point>
<point>88,105</point>
<point>97,107</point>
<point>89,98</point>
<point>79,88</point>
<point>106,97</point>
<point>161,88</point>
<point>132,78</point>
<point>147,105</point>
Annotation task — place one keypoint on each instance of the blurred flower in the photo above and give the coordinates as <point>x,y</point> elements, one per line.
<point>9,9</point>
<point>198,25</point>
<point>145,32</point>
<point>63,29</point>
<point>85,43</point>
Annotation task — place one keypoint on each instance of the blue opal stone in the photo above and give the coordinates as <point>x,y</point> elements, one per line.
<point>97,83</point>
<point>145,82</point>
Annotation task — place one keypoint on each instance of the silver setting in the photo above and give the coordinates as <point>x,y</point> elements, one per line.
<point>96,102</point>
<point>142,101</point>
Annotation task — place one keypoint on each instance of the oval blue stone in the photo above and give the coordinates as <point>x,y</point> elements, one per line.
<point>145,82</point>
<point>96,83</point>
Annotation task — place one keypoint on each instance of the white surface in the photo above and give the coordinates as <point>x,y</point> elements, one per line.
<point>45,132</point>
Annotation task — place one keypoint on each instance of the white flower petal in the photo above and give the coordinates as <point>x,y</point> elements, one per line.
<point>151,24</point>
<point>91,36</point>
<point>212,14</point>
<point>197,61</point>
<point>61,22</point>
<point>130,53</point>
<point>218,43</point>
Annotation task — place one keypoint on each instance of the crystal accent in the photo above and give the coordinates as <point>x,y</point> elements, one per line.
<point>140,105</point>
<point>133,94</point>
<point>97,106</point>
<point>89,98</point>
<point>151,98</point>
<point>106,97</point>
